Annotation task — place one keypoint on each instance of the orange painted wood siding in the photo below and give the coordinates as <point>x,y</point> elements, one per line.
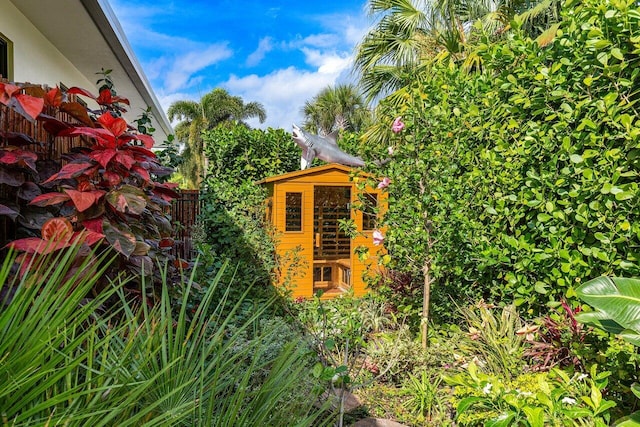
<point>301,242</point>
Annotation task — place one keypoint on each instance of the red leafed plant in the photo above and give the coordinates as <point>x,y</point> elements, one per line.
<point>104,192</point>
<point>557,340</point>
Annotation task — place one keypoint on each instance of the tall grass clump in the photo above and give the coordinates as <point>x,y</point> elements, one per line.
<point>69,358</point>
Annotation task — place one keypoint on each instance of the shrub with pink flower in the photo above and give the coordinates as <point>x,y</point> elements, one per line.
<point>378,238</point>
<point>398,125</point>
<point>384,183</point>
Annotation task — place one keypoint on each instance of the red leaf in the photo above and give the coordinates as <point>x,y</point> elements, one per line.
<point>53,98</point>
<point>59,229</point>
<point>30,105</point>
<point>147,140</point>
<point>28,244</point>
<point>106,98</point>
<point>142,173</point>
<point>83,200</point>
<point>142,152</point>
<point>87,236</point>
<point>180,263</point>
<point>80,91</point>
<point>125,159</point>
<point>36,245</point>
<point>8,157</point>
<point>112,178</point>
<point>166,191</point>
<point>117,126</point>
<point>102,136</point>
<point>94,225</point>
<point>7,91</point>
<point>166,243</point>
<point>103,156</point>
<point>53,125</point>
<point>48,199</point>
<point>78,112</point>
<point>70,170</point>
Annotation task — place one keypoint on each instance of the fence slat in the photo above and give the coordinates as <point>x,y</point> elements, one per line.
<point>184,213</point>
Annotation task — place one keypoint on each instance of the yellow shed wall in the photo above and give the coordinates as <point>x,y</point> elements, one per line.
<point>301,280</point>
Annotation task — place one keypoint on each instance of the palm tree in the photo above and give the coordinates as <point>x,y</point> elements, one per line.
<point>394,46</point>
<point>214,108</point>
<point>409,32</point>
<point>338,107</point>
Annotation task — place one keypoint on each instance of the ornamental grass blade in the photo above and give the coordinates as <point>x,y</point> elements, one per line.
<point>616,299</point>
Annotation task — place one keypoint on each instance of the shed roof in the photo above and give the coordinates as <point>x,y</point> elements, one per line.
<point>315,170</point>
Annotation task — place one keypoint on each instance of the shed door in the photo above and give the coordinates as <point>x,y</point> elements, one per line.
<point>331,247</point>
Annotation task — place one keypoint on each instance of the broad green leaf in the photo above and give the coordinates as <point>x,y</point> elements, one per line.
<point>632,420</point>
<point>503,420</point>
<point>617,298</point>
<point>535,416</point>
<point>467,402</point>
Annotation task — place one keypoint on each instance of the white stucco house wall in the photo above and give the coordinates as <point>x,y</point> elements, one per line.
<point>68,41</point>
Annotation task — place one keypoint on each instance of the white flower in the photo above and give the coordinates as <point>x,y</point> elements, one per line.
<point>581,377</point>
<point>569,400</point>
<point>487,388</point>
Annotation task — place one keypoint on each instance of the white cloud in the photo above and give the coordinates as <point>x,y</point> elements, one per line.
<point>284,92</point>
<point>321,40</point>
<point>181,73</point>
<point>326,62</point>
<point>264,46</point>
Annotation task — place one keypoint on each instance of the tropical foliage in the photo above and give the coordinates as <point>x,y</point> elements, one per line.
<point>527,190</point>
<point>105,188</point>
<point>232,221</point>
<point>65,361</point>
<point>336,108</point>
<point>194,117</point>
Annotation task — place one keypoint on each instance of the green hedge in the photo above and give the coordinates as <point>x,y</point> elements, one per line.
<point>527,166</point>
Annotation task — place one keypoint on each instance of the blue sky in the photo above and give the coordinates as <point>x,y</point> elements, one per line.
<point>279,53</point>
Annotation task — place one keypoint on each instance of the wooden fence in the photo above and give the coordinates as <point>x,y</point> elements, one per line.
<point>184,214</point>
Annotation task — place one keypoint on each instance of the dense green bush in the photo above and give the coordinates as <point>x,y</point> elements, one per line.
<point>525,170</point>
<point>233,213</point>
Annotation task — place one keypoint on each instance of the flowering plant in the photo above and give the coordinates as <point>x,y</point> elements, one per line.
<point>532,399</point>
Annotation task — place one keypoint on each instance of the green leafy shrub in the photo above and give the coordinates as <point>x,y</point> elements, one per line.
<point>527,167</point>
<point>233,214</point>
<point>534,399</point>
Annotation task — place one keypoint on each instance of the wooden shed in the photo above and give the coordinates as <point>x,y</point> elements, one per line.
<point>305,208</point>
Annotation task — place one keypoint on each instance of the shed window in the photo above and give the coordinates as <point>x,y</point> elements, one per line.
<point>293,220</point>
<point>370,211</point>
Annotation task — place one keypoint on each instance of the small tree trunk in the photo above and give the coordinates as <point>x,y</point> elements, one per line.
<point>424,322</point>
